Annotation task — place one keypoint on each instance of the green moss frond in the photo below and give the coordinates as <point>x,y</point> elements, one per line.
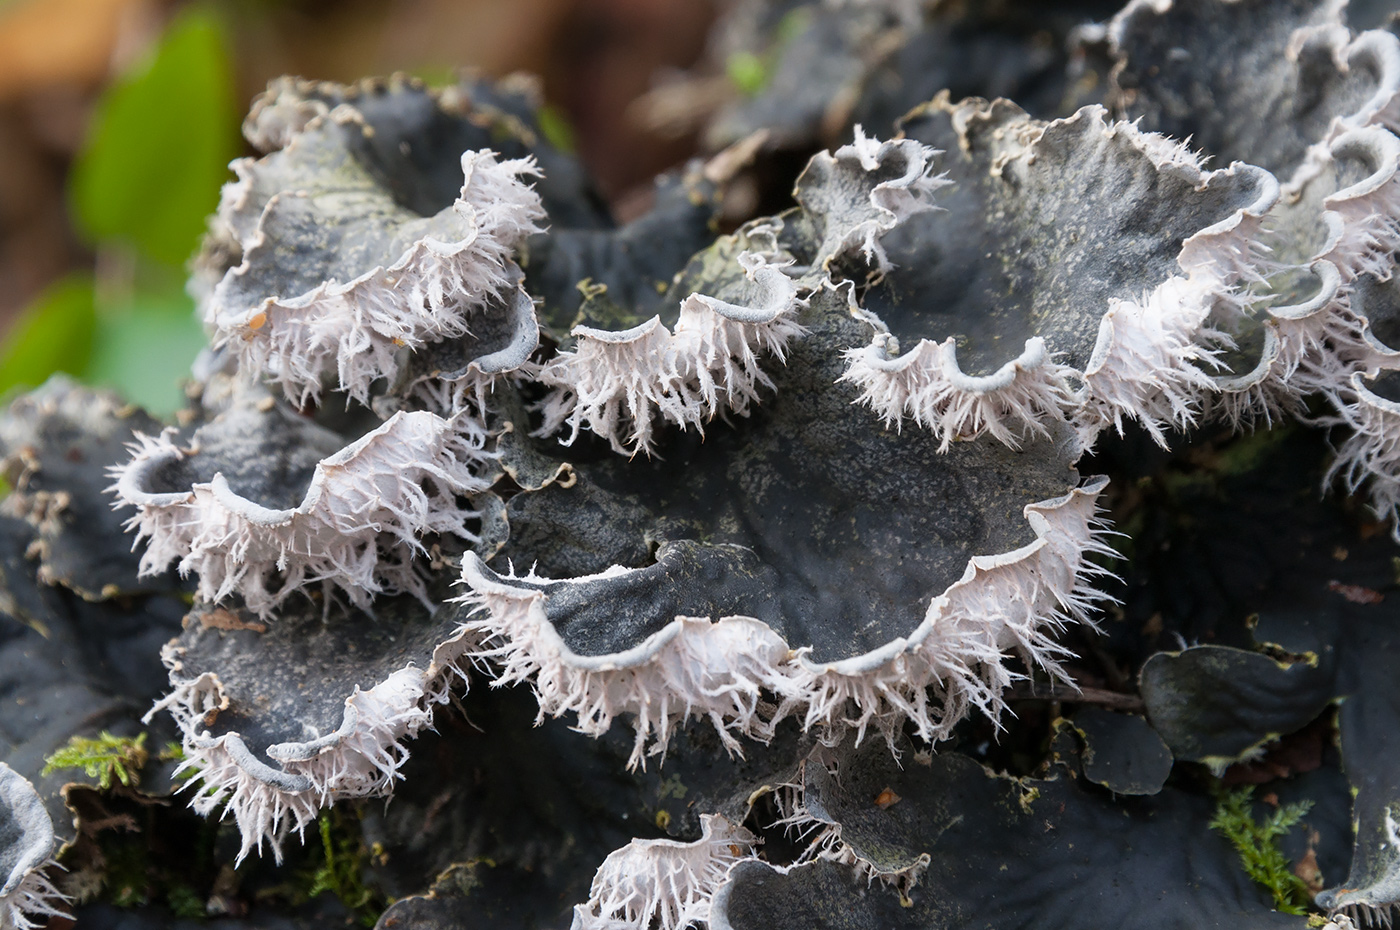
<point>105,758</point>
<point>1257,845</point>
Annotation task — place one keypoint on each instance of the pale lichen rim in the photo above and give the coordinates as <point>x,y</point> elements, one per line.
<point>358,759</point>
<point>597,687</point>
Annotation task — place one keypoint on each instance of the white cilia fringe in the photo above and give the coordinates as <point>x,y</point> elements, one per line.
<point>869,210</point>
<point>664,884</point>
<point>1320,343</point>
<point>1146,362</point>
<point>356,327</point>
<point>32,901</point>
<point>359,759</point>
<point>928,385</point>
<point>618,383</point>
<point>724,670</point>
<point>1371,454</point>
<point>390,486</point>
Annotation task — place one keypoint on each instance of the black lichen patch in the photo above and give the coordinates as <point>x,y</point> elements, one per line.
<point>1004,853</point>
<point>635,263</point>
<point>1215,704</point>
<point>1122,752</point>
<point>58,445</point>
<point>267,456</point>
<point>287,680</point>
<point>415,136</point>
<point>73,668</point>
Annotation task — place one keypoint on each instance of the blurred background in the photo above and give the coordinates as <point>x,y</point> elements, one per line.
<point>118,119</point>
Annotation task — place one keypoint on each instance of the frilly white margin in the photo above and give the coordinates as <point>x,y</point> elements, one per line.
<point>664,884</point>
<point>370,490</point>
<point>1371,454</point>
<point>357,327</point>
<point>360,759</point>
<point>891,201</point>
<point>617,383</point>
<point>927,385</point>
<point>27,896</point>
<point>1147,363</point>
<point>721,670</point>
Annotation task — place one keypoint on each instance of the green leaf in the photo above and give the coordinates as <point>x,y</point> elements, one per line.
<point>160,144</point>
<point>55,333</point>
<point>144,349</point>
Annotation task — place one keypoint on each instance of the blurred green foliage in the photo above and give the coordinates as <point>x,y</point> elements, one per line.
<point>157,152</point>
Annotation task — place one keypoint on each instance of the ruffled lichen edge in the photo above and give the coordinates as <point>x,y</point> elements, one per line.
<point>356,328</point>
<point>664,884</point>
<point>1149,359</point>
<point>618,384</point>
<point>726,670</point>
<point>371,490</point>
<point>27,895</point>
<point>822,834</point>
<point>1317,345</point>
<point>1370,456</point>
<point>361,758</point>
<point>890,202</point>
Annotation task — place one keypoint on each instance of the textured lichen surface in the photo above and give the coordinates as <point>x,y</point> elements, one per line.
<point>855,537</point>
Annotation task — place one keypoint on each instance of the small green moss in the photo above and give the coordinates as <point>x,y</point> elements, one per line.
<point>185,902</point>
<point>1257,844</point>
<point>747,72</point>
<point>105,758</point>
<point>341,870</point>
<point>557,129</point>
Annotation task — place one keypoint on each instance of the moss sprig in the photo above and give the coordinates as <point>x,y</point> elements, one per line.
<point>105,758</point>
<point>1257,845</point>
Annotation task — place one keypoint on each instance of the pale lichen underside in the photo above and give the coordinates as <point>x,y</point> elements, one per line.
<point>864,190</point>
<point>664,884</point>
<point>28,897</point>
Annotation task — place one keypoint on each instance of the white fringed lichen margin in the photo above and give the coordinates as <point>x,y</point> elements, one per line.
<point>1370,456</point>
<point>822,834</point>
<point>617,384</point>
<point>394,484</point>
<point>1147,358</point>
<point>361,758</point>
<point>27,897</point>
<point>356,327</point>
<point>725,671</point>
<point>1316,346</point>
<point>889,203</point>
<point>664,884</point>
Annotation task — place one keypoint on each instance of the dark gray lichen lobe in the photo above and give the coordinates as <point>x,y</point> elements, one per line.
<point>806,514</point>
<point>1040,230</point>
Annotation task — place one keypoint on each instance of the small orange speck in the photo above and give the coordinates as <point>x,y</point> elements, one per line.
<point>258,322</point>
<point>886,799</point>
